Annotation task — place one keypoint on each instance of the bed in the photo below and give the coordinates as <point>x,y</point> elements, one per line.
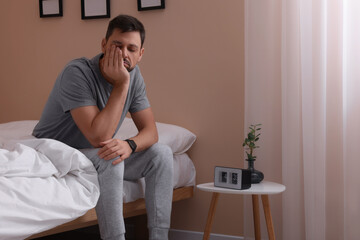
<point>29,208</point>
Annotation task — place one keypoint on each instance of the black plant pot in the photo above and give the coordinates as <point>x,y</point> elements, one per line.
<point>256,176</point>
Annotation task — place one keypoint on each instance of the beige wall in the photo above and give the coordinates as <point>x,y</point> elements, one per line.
<point>193,67</point>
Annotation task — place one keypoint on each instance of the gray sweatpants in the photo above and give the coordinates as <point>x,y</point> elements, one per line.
<point>156,165</point>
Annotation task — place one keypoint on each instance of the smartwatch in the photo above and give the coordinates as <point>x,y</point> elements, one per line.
<point>132,144</point>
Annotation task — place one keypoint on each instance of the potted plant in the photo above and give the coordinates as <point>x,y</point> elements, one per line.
<point>250,145</point>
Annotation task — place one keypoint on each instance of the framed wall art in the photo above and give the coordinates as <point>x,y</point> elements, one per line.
<point>91,9</point>
<point>150,4</point>
<point>50,8</point>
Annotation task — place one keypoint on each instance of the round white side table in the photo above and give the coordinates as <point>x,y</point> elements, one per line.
<point>265,188</point>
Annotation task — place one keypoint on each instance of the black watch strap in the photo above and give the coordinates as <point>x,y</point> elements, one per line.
<point>132,144</point>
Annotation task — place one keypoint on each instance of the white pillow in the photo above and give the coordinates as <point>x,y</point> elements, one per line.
<point>17,129</point>
<point>177,138</point>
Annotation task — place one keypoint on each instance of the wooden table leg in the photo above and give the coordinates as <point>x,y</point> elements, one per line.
<point>210,218</point>
<point>267,212</point>
<point>256,216</point>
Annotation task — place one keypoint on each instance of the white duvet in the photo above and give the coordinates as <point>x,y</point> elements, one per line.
<point>40,190</point>
<point>43,183</point>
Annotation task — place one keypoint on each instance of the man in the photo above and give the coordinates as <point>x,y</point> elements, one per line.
<point>86,107</point>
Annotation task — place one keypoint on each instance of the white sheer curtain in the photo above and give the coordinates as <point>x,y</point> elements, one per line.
<point>318,72</point>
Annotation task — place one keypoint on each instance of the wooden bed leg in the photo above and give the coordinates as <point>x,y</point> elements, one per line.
<point>210,218</point>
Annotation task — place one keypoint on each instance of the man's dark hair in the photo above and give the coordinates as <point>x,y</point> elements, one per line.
<point>126,23</point>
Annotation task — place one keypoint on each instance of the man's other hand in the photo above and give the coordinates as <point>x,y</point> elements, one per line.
<point>113,148</point>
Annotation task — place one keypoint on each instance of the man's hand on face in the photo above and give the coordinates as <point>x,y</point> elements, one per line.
<point>112,67</point>
<point>113,148</point>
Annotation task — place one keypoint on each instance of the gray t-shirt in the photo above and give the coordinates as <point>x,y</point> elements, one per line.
<point>81,84</point>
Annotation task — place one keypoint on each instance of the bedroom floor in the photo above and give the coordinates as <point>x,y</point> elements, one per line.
<point>135,230</point>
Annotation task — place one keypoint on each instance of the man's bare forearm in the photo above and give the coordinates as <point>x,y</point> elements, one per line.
<point>145,123</point>
<point>104,125</point>
<point>98,126</point>
<point>145,138</point>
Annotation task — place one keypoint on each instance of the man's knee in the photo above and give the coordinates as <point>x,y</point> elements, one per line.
<point>105,167</point>
<point>162,155</point>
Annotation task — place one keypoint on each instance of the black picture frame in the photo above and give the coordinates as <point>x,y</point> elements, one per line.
<point>91,9</point>
<point>144,5</point>
<point>50,8</point>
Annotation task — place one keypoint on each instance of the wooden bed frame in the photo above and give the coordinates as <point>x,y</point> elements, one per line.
<point>131,209</point>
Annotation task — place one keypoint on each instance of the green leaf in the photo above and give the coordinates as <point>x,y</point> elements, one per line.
<point>251,136</point>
